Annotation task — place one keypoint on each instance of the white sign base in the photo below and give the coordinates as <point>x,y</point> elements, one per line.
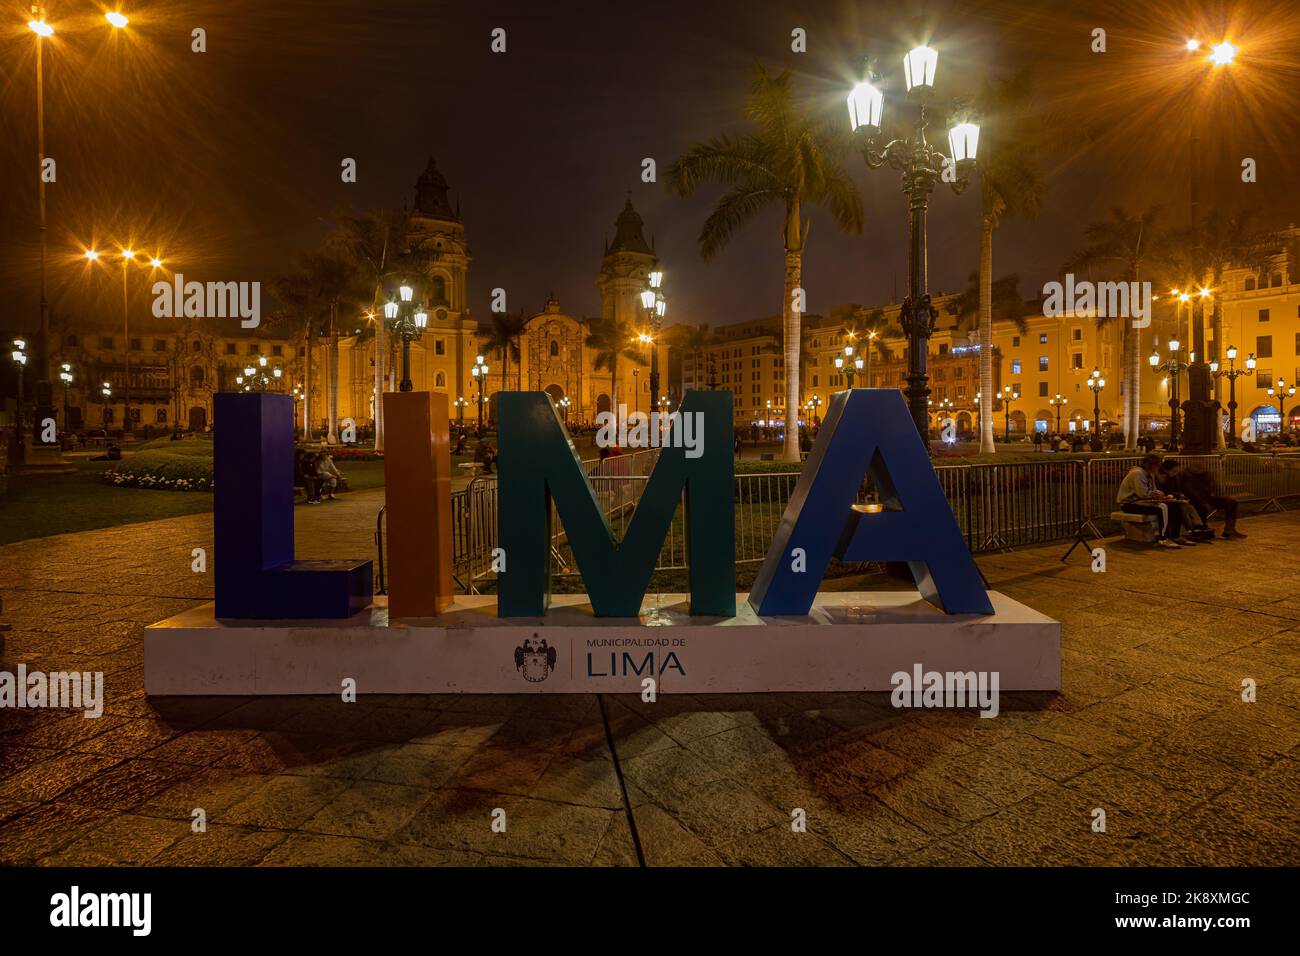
<point>852,641</point>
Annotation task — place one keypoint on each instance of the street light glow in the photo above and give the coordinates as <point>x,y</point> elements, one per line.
<point>1221,54</point>
<point>156,263</point>
<point>40,28</point>
<point>128,254</point>
<point>1193,46</point>
<point>116,19</point>
<point>92,255</point>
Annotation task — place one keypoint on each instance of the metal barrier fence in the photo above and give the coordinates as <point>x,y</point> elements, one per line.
<point>997,506</point>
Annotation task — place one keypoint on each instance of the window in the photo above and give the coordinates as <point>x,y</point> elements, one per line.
<point>160,345</point>
<point>814,381</point>
<point>106,341</point>
<point>1042,389</point>
<point>277,349</point>
<point>943,348</point>
<point>1263,378</point>
<point>1250,284</point>
<point>160,416</point>
<point>1297,343</point>
<point>440,380</point>
<point>1263,346</point>
<point>196,376</point>
<point>440,347</point>
<point>1015,341</point>
<point>1076,360</point>
<point>1263,315</point>
<point>136,345</point>
<point>1042,363</point>
<point>959,372</point>
<point>230,348</point>
<point>108,415</point>
<point>254,348</point>
<point>555,349</point>
<point>1275,279</point>
<point>1077,334</point>
<point>1015,366</point>
<point>1042,339</point>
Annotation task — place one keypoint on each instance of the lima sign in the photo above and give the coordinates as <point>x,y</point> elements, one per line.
<point>866,431</point>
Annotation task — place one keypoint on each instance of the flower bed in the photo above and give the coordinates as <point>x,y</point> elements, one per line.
<point>162,471</point>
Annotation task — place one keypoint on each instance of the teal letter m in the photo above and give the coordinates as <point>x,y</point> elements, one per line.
<point>539,465</point>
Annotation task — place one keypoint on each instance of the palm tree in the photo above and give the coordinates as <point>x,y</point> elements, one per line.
<point>1130,245</point>
<point>503,334</point>
<point>789,159</point>
<point>609,339</point>
<point>1013,135</point>
<point>1006,303</point>
<point>339,288</point>
<point>693,340</point>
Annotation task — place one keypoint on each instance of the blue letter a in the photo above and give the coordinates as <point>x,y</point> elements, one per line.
<point>868,429</point>
<point>539,465</point>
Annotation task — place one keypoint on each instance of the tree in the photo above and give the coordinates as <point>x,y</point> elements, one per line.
<point>381,248</point>
<point>297,307</point>
<point>1130,246</point>
<point>504,334</point>
<point>336,287</point>
<point>1005,303</point>
<point>1013,135</point>
<point>609,339</point>
<point>789,159</point>
<point>693,340</point>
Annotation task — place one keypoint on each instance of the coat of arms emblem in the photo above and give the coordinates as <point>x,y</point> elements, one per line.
<point>535,660</point>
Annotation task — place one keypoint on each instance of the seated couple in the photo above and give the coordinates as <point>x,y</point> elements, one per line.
<point>1176,497</point>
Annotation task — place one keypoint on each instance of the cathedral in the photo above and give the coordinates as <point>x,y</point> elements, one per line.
<point>552,352</point>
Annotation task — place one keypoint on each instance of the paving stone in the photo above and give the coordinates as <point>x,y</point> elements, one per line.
<point>282,803</point>
<point>220,846</point>
<point>368,809</point>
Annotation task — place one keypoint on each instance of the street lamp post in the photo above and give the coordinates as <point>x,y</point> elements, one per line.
<point>1232,373</point>
<point>1174,368</point>
<point>460,404</point>
<point>408,321</point>
<point>652,299</point>
<point>1057,401</point>
<point>260,377</point>
<point>19,355</point>
<point>1096,383</point>
<point>107,392</point>
<point>922,166</point>
<point>1008,395</point>
<point>65,376</point>
<point>564,409</point>
<point>479,371</point>
<point>848,364</point>
<point>1283,392</point>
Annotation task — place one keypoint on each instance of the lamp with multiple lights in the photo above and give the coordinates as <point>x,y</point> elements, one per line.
<point>1174,367</point>
<point>1232,373</point>
<point>1281,391</point>
<point>262,377</point>
<point>922,166</point>
<point>655,305</point>
<point>479,371</point>
<point>409,321</point>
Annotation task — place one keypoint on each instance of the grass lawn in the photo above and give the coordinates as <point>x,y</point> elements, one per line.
<point>40,506</point>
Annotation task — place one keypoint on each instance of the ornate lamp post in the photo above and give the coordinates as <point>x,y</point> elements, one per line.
<point>652,300</point>
<point>1174,368</point>
<point>1057,402</point>
<point>19,355</point>
<point>479,371</point>
<point>408,321</point>
<point>460,404</point>
<point>1008,395</point>
<point>1096,383</point>
<point>848,364</point>
<point>1283,392</point>
<point>1232,373</point>
<point>107,392</point>
<point>65,376</point>
<point>564,404</point>
<point>259,378</point>
<point>922,166</point>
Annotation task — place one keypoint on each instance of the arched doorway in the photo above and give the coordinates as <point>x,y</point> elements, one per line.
<point>602,403</point>
<point>963,422</point>
<point>556,394</point>
<point>1267,419</point>
<point>198,419</point>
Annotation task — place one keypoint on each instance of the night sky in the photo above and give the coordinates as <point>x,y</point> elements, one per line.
<point>227,163</point>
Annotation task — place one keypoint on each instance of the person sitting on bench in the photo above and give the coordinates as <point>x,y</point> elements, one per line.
<point>1138,495</point>
<point>1198,488</point>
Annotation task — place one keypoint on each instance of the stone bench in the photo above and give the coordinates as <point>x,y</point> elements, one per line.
<point>1144,529</point>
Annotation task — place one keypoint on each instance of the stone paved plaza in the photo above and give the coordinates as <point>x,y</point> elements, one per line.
<point>1150,727</point>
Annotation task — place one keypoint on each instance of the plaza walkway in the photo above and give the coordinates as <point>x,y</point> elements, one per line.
<point>1150,727</point>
